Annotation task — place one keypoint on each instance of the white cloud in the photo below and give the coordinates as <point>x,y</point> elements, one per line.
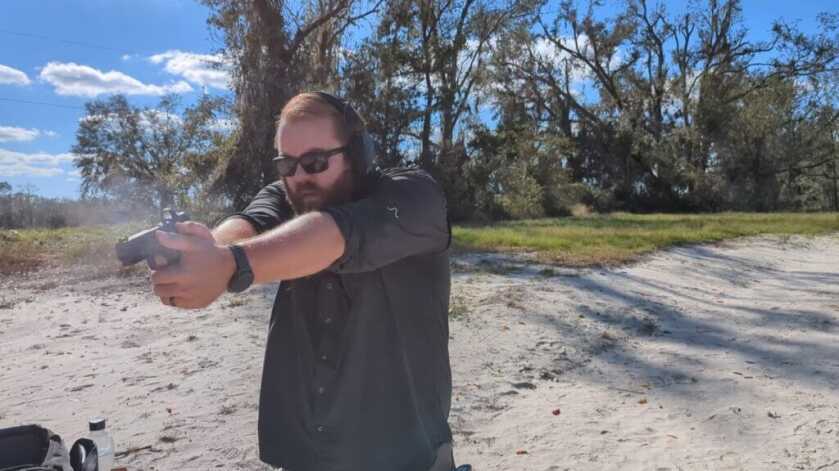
<point>10,76</point>
<point>804,85</point>
<point>8,133</point>
<point>13,134</point>
<point>39,164</point>
<point>553,59</point>
<point>224,125</point>
<point>206,70</point>
<point>82,80</point>
<point>549,53</point>
<point>149,118</point>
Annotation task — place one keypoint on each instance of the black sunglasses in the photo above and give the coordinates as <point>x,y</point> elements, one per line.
<point>312,162</point>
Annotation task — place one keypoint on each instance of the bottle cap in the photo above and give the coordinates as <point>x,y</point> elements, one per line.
<point>96,423</point>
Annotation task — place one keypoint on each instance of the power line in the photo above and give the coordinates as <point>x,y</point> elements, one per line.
<point>27,102</point>
<point>65,41</point>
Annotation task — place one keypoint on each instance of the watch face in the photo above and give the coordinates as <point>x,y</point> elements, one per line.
<point>241,281</point>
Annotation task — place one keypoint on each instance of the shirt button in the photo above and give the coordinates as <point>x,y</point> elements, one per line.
<point>320,428</point>
<point>321,390</point>
<point>329,286</point>
<point>328,320</point>
<point>323,357</point>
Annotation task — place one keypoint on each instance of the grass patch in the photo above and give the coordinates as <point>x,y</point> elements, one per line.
<point>236,302</point>
<point>575,241</point>
<point>458,307</point>
<point>24,250</point>
<point>622,237</point>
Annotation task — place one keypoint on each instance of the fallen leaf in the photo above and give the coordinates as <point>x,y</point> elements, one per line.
<point>521,452</point>
<point>556,412</point>
<point>642,401</point>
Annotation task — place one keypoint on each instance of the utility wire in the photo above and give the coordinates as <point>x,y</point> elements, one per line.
<point>65,41</point>
<point>27,102</point>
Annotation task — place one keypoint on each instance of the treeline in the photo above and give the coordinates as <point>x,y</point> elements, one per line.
<point>23,209</point>
<point>520,108</point>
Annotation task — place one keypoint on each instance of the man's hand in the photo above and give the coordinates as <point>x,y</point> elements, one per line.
<point>203,272</point>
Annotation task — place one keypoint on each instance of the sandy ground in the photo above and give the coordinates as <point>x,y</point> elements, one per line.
<point>711,357</point>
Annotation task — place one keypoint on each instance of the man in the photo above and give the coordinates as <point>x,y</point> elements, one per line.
<point>356,374</point>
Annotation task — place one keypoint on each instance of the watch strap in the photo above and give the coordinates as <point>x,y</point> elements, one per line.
<point>243,267</point>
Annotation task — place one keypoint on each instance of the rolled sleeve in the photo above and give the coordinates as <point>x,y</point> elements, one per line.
<point>268,209</point>
<point>405,215</point>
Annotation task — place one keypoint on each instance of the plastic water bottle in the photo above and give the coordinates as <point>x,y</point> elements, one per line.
<point>104,443</point>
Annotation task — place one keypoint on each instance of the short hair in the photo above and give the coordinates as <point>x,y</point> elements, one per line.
<point>311,105</point>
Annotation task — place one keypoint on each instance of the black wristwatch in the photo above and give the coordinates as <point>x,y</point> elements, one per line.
<point>243,276</point>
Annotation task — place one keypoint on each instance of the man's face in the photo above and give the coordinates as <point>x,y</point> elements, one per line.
<point>311,192</point>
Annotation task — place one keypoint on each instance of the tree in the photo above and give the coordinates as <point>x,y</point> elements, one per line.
<point>275,53</point>
<point>639,109</point>
<point>662,91</point>
<point>376,81</point>
<point>141,154</point>
<point>5,204</point>
<point>444,45</point>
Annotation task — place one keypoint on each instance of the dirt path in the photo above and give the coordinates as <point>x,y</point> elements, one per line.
<point>713,357</point>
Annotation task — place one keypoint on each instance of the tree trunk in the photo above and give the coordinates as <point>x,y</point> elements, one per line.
<point>426,154</point>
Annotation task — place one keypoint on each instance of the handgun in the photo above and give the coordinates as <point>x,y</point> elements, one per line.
<point>144,245</point>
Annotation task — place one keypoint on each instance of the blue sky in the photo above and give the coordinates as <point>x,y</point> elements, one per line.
<point>67,52</point>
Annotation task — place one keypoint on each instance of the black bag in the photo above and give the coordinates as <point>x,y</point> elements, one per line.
<point>35,448</point>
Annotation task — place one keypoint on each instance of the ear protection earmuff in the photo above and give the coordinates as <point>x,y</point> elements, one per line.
<point>361,147</point>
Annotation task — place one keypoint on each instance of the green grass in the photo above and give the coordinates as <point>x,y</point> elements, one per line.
<point>574,241</point>
<point>458,307</point>
<point>622,237</point>
<point>23,250</point>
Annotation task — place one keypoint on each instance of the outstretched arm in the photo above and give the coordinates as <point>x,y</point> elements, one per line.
<point>303,246</point>
<point>405,216</point>
<point>300,247</point>
<point>233,230</point>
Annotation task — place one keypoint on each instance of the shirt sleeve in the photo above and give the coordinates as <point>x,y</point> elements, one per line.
<point>405,215</point>
<point>268,209</point>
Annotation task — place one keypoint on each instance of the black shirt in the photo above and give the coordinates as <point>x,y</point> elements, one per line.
<point>356,374</point>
